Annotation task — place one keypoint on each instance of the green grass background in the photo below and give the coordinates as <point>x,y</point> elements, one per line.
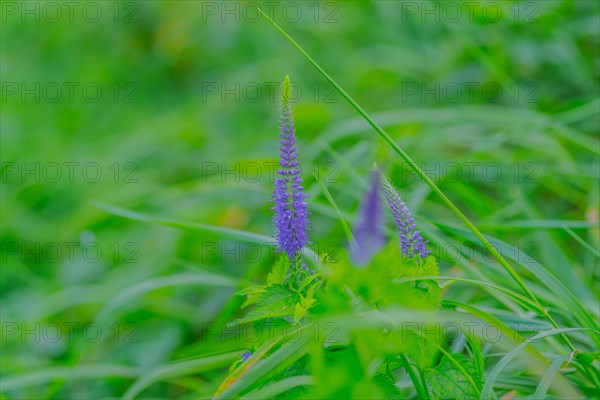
<point>170,53</point>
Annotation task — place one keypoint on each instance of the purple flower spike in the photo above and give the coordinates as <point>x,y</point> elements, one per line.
<point>369,228</point>
<point>411,241</point>
<point>291,215</point>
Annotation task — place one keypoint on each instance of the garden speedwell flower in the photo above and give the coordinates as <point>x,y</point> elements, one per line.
<point>291,215</point>
<point>368,233</point>
<point>411,241</point>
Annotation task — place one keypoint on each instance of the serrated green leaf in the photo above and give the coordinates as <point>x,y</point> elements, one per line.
<point>275,302</point>
<point>252,293</point>
<point>447,381</point>
<point>279,272</point>
<point>388,386</point>
<point>308,280</point>
<point>430,266</point>
<point>251,290</point>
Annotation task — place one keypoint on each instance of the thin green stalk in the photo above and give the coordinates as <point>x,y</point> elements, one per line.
<point>581,241</point>
<point>333,204</point>
<point>414,378</point>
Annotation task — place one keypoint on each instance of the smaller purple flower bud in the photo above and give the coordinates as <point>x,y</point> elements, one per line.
<point>245,356</point>
<point>411,241</point>
<point>368,232</point>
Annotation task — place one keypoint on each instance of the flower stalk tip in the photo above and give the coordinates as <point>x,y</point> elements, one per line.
<point>411,241</point>
<point>291,214</point>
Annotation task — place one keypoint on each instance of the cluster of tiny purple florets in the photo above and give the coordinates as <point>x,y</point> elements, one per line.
<point>291,215</point>
<point>411,241</point>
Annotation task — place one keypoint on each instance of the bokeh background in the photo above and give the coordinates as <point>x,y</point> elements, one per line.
<point>169,109</point>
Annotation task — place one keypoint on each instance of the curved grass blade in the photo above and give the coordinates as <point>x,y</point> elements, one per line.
<point>272,390</point>
<point>189,226</point>
<point>540,224</point>
<point>546,381</point>
<point>201,279</point>
<point>550,281</point>
<point>582,242</point>
<point>285,355</point>
<point>495,117</point>
<point>245,236</point>
<point>177,369</point>
<point>45,376</point>
<point>414,377</point>
<point>487,390</point>
<point>516,296</point>
<point>512,336</point>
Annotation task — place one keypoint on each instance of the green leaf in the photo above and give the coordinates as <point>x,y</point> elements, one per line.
<point>388,387</point>
<point>275,302</point>
<point>279,272</point>
<point>447,381</point>
<point>252,293</point>
<point>430,267</point>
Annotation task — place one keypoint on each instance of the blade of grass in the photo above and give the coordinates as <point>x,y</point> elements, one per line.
<point>178,369</point>
<point>546,381</point>
<point>197,278</point>
<point>516,296</point>
<point>487,390</point>
<point>582,242</point>
<point>285,355</point>
<point>421,391</point>
<point>190,226</point>
<point>44,376</point>
<point>272,390</point>
<point>237,234</point>
<point>568,298</point>
<point>514,337</point>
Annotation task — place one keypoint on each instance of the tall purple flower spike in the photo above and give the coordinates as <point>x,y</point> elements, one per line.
<point>291,215</point>
<point>369,228</point>
<point>411,241</point>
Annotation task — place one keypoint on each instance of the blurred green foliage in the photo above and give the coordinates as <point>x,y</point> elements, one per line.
<point>185,115</point>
